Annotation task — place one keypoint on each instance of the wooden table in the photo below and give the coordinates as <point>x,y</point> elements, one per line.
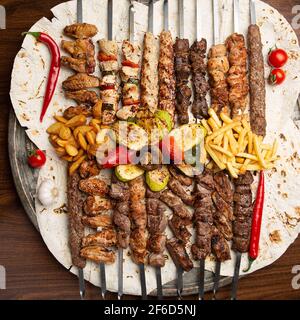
<point>32,272</point>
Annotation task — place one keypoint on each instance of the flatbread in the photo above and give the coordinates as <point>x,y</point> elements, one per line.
<point>281,221</point>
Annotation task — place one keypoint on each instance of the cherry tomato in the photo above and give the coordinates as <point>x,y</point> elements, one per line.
<point>277,76</point>
<point>36,159</point>
<point>278,58</point>
<point>128,63</point>
<point>171,150</point>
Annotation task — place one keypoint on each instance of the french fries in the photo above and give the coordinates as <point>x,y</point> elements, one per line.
<point>233,146</point>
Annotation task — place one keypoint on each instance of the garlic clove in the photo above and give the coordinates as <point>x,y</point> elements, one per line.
<point>47,193</point>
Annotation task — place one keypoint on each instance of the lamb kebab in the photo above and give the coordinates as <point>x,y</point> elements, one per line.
<point>199,68</point>
<point>139,236</point>
<point>166,71</point>
<point>218,67</point>
<point>108,57</point>
<point>149,75</point>
<point>157,224</point>
<point>182,70</point>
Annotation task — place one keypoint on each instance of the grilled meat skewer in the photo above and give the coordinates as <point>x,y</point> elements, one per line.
<point>166,73</point>
<point>237,75</point>
<point>200,85</point>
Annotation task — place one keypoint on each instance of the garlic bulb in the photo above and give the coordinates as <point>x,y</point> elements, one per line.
<point>47,193</point>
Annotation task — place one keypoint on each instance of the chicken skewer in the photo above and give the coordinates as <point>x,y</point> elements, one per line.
<point>166,72</point>
<point>130,74</point>
<point>218,67</point>
<point>108,95</point>
<point>182,70</point>
<point>108,57</point>
<point>149,75</point>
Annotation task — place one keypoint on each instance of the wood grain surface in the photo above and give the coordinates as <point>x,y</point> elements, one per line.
<point>32,272</point>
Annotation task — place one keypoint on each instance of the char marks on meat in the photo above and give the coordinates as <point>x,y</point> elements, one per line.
<point>257,82</point>
<point>182,71</point>
<point>183,179</point>
<point>243,209</point>
<point>200,84</point>
<point>179,255</point>
<point>181,192</point>
<point>76,227</point>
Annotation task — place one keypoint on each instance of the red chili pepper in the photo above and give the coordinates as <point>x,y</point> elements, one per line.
<point>128,63</point>
<point>256,221</point>
<point>54,67</point>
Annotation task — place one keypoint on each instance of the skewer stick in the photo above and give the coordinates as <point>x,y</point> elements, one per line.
<point>159,283</point>
<point>181,18</point>
<point>80,271</point>
<point>110,37</point>
<point>201,279</point>
<point>166,15</point>
<point>216,21</point>
<point>198,15</point>
<point>150,16</point>
<point>236,16</point>
<point>179,283</point>
<point>143,281</point>
<point>120,273</point>
<point>236,275</point>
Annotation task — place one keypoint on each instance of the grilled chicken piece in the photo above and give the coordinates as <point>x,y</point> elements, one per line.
<point>83,96</point>
<point>89,169</point>
<point>138,244</point>
<point>81,81</point>
<point>121,221</point>
<point>98,254</point>
<point>176,204</point>
<point>95,205</point>
<point>179,255</point>
<point>78,65</point>
<point>106,238</point>
<point>179,228</point>
<point>101,221</point>
<point>83,55</point>
<point>179,190</point>
<point>128,112</point>
<point>108,47</point>
<point>93,186</point>
<point>81,30</point>
<point>156,260</point>
<point>79,110</point>
<point>131,52</point>
<point>157,243</point>
<point>220,246</point>
<point>184,180</point>
<point>149,78</point>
